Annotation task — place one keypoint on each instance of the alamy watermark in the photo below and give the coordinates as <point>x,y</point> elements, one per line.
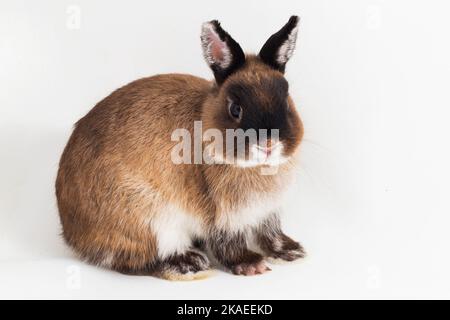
<point>73,280</point>
<point>243,148</point>
<point>73,20</point>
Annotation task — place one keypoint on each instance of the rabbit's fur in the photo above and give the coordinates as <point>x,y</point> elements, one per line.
<point>125,205</point>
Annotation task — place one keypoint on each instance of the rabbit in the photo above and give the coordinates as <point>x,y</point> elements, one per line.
<point>125,205</point>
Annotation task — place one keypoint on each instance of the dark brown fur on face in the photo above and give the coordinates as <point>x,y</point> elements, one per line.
<point>263,93</point>
<point>126,206</point>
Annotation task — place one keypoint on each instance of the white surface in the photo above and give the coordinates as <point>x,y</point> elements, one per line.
<point>371,79</point>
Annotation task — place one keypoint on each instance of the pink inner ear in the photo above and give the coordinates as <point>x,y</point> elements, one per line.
<point>217,47</point>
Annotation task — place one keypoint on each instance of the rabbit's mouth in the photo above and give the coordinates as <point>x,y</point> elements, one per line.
<point>255,155</point>
<point>266,154</point>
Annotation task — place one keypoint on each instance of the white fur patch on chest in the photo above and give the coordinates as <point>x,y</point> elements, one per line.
<point>174,230</point>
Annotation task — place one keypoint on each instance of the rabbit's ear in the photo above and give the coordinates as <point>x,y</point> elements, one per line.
<point>279,48</point>
<point>222,53</point>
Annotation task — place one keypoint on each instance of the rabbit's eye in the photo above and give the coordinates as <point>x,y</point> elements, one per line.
<point>235,110</point>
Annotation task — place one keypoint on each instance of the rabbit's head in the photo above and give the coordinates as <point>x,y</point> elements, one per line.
<point>251,93</point>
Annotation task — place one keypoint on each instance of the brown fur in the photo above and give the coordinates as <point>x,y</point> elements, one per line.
<point>116,174</point>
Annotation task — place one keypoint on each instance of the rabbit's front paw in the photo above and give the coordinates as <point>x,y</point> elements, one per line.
<point>250,269</point>
<point>251,264</point>
<point>285,249</point>
<point>190,265</point>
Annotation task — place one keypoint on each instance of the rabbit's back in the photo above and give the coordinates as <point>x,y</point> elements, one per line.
<point>111,174</point>
<point>147,107</point>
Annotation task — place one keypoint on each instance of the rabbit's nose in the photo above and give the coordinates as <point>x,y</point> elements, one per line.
<point>268,147</point>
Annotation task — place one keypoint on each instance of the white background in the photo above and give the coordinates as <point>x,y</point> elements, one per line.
<point>371,81</point>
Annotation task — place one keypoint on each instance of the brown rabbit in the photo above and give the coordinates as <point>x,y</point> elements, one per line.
<point>125,205</point>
